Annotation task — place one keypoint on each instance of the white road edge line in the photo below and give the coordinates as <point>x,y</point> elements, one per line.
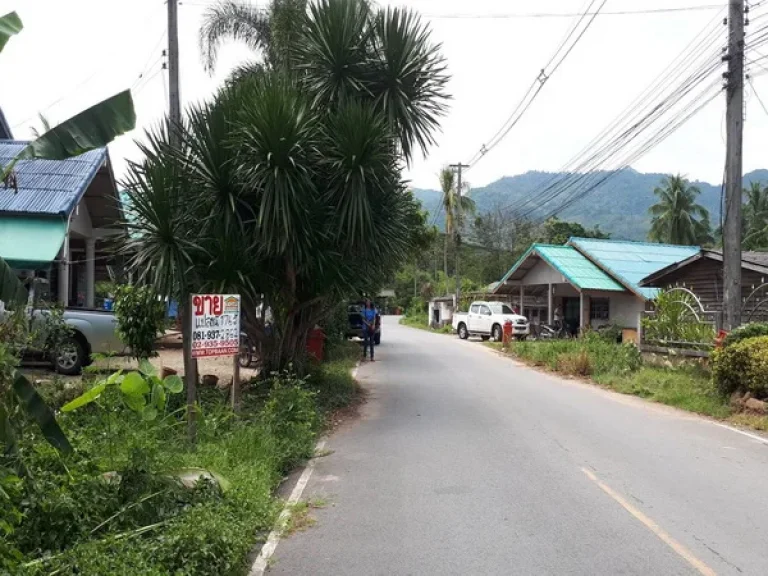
<point>761,439</point>
<point>261,563</point>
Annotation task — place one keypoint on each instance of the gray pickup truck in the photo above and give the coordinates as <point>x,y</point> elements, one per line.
<point>93,331</point>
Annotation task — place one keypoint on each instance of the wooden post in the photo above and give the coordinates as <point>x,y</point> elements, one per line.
<point>190,372</point>
<point>522,298</point>
<point>236,384</point>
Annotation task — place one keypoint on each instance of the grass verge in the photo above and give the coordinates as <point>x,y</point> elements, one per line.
<point>116,507</point>
<point>621,368</point>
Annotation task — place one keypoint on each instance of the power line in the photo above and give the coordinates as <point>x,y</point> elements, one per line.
<point>643,111</point>
<point>541,79</point>
<point>762,105</point>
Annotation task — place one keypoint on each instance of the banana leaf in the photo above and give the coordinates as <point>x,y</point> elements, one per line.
<point>38,410</point>
<point>92,128</point>
<point>10,25</point>
<point>12,289</point>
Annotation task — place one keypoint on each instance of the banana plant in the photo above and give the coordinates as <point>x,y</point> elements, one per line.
<point>141,391</point>
<point>90,129</point>
<point>93,128</point>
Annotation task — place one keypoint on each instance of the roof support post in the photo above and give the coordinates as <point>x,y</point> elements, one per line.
<point>64,272</point>
<point>522,299</point>
<point>550,309</point>
<point>582,315</point>
<point>90,272</point>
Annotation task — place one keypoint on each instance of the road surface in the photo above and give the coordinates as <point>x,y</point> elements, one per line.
<point>463,462</point>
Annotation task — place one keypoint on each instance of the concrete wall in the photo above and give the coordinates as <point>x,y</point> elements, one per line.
<point>80,221</point>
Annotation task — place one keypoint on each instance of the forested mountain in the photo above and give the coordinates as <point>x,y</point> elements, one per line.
<point>619,206</point>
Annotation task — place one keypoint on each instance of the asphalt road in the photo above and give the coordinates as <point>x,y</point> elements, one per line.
<point>463,462</point>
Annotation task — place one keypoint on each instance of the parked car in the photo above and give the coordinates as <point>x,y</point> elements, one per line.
<point>355,328</point>
<point>93,331</point>
<point>486,319</point>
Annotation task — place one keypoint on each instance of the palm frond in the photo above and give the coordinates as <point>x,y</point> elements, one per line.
<point>232,20</point>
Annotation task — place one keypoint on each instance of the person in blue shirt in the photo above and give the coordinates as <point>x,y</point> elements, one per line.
<point>369,327</point>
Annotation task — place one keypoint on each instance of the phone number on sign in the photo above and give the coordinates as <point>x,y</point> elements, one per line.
<point>215,344</point>
<point>215,335</point>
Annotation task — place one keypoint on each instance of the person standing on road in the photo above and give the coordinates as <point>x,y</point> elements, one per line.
<point>369,327</point>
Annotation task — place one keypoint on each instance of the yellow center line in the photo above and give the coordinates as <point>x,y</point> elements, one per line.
<point>681,550</point>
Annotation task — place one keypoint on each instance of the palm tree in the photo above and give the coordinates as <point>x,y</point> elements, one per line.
<point>450,206</point>
<point>677,218</point>
<point>755,217</point>
<point>287,188</point>
<point>270,33</point>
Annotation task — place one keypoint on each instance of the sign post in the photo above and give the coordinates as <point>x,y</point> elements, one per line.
<point>216,331</point>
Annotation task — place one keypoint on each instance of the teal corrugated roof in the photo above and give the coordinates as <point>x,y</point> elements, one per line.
<point>577,269</point>
<point>630,262</point>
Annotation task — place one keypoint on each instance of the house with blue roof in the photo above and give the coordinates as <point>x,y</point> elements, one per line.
<point>56,218</point>
<point>588,282</point>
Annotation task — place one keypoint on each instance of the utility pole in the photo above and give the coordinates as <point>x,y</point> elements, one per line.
<point>733,166</point>
<point>174,115</point>
<point>457,228</point>
<point>174,107</point>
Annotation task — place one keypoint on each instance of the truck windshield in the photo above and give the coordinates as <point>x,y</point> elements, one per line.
<point>498,308</point>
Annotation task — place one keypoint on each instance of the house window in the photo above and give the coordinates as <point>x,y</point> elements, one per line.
<point>599,309</point>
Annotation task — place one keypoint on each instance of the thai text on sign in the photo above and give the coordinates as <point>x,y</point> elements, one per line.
<point>215,325</point>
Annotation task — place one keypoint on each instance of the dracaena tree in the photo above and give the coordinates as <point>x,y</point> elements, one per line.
<point>287,186</point>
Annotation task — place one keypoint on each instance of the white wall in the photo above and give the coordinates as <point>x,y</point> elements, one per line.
<point>542,273</point>
<point>623,309</point>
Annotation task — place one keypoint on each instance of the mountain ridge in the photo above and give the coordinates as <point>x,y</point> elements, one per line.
<point>619,205</point>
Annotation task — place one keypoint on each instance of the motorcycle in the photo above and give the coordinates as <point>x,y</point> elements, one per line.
<point>247,351</point>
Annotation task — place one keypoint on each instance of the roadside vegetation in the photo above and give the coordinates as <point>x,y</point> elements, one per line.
<point>733,385</point>
<point>134,497</point>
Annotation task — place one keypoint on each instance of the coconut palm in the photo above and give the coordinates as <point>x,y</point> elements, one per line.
<point>677,217</point>
<point>269,32</point>
<point>755,217</point>
<point>287,188</point>
<point>450,206</point>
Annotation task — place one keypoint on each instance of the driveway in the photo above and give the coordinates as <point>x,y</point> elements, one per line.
<point>464,462</point>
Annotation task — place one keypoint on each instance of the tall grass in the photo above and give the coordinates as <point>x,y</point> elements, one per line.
<point>621,368</point>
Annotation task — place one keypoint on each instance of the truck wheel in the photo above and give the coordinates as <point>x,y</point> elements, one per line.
<point>463,334</point>
<point>496,333</point>
<point>377,339</point>
<point>71,357</point>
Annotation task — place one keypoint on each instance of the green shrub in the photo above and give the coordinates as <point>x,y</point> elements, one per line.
<point>140,318</point>
<point>742,367</point>
<point>290,415</point>
<point>674,321</point>
<point>336,324</point>
<point>602,357</point>
<point>746,331</point>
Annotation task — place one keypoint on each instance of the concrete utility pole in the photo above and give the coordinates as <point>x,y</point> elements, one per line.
<point>458,167</point>
<point>173,69</point>
<point>733,166</point>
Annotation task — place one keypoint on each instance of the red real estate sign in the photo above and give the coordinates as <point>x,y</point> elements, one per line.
<point>215,325</point>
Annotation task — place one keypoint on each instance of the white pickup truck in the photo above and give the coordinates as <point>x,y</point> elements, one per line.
<point>486,319</point>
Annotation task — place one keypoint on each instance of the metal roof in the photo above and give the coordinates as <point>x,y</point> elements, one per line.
<point>631,262</point>
<point>754,261</point>
<point>569,262</point>
<point>48,186</point>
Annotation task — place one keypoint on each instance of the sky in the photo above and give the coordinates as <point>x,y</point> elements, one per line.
<point>73,54</point>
